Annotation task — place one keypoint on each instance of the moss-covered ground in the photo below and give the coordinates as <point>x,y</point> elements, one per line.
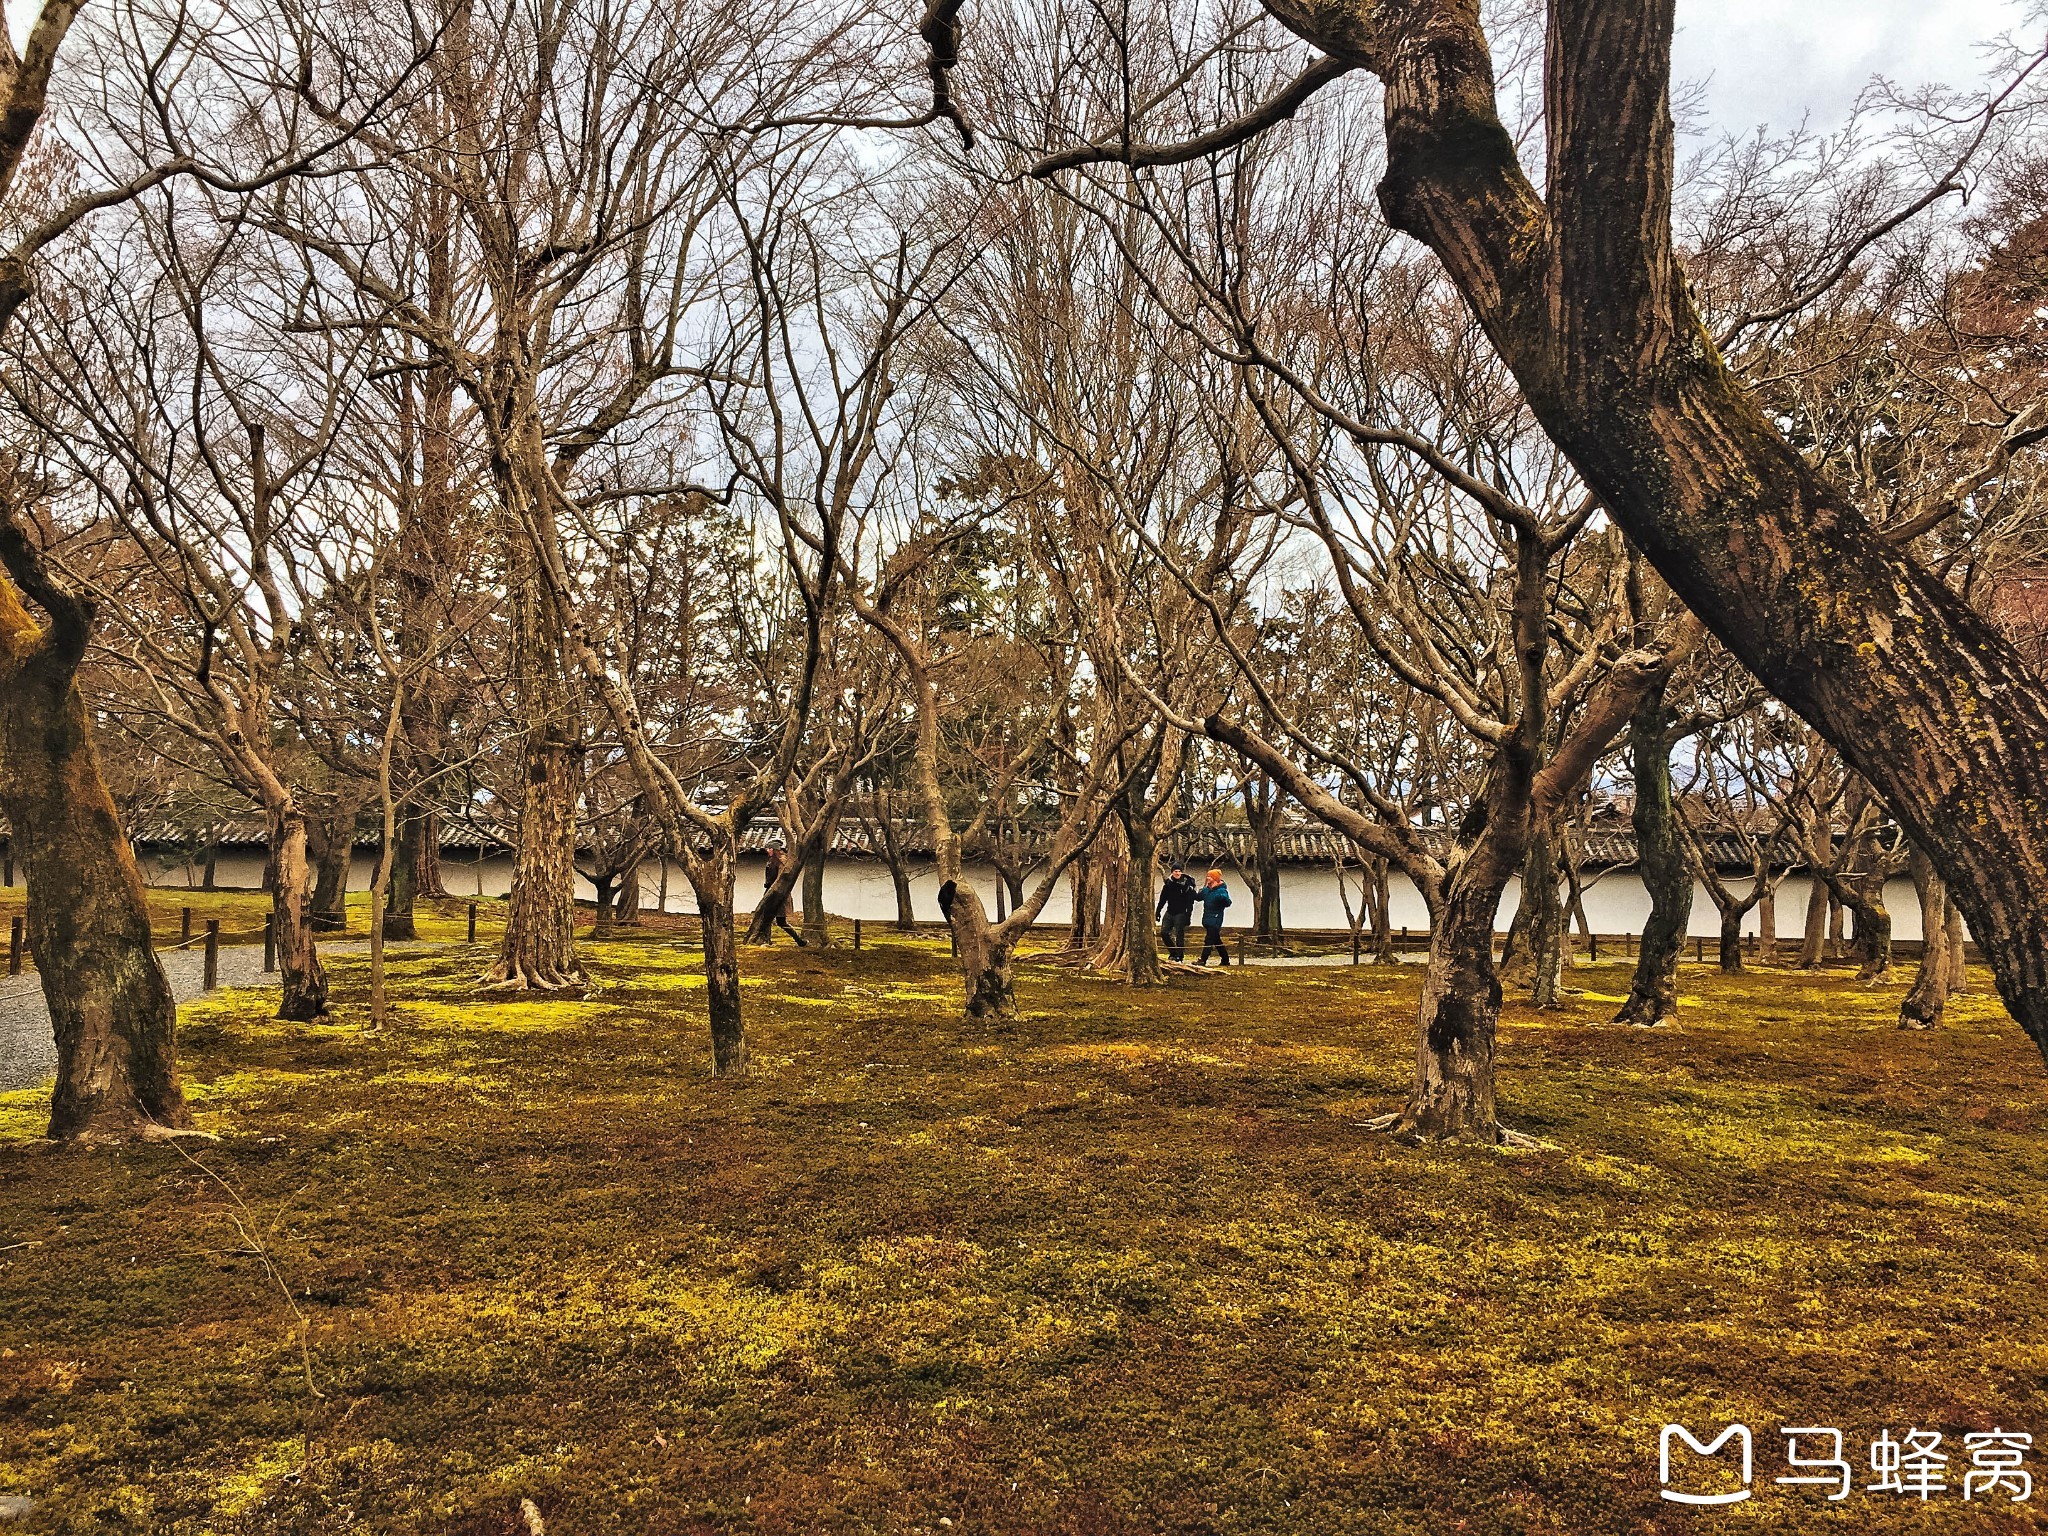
<point>241,914</point>
<point>1129,1266</point>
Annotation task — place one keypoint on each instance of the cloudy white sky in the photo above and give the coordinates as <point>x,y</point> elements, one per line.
<point>1775,60</point>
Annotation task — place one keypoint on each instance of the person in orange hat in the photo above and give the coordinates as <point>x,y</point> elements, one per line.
<point>1215,898</point>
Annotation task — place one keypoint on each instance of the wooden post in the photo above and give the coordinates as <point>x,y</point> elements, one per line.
<point>856,933</point>
<point>1699,950</point>
<point>1354,946</point>
<point>269,942</point>
<point>1240,946</point>
<point>14,948</point>
<point>212,979</point>
<point>1593,945</point>
<point>184,924</point>
<point>472,922</point>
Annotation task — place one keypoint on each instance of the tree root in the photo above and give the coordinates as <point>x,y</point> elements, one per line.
<point>1399,1126</point>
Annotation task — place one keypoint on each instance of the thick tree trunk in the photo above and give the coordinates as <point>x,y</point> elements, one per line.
<point>427,879</point>
<point>1864,895</point>
<point>291,907</point>
<point>1660,852</point>
<point>602,915</point>
<point>1927,999</point>
<point>985,972</point>
<point>1767,928</point>
<point>816,934</point>
<point>539,946</point>
<point>413,830</point>
<point>1958,955</point>
<point>110,1007</point>
<point>1081,882</point>
<point>330,847</point>
<point>1452,1097</point>
<point>1141,938</point>
<point>627,903</point>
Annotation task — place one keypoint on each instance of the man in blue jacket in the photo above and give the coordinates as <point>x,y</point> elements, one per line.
<point>1215,897</point>
<point>1176,904</point>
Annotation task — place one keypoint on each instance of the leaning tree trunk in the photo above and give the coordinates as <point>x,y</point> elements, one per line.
<point>291,908</point>
<point>1927,999</point>
<point>1381,902</point>
<point>1081,881</point>
<point>1864,895</point>
<point>1580,289</point>
<point>1660,851</point>
<point>899,876</point>
<point>985,972</point>
<point>111,1009</point>
<point>627,903</point>
<point>711,876</point>
<point>1958,954</point>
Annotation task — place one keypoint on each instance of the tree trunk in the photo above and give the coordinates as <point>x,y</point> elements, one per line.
<point>1818,902</point>
<point>413,827</point>
<point>985,973</point>
<point>627,903</point>
<point>291,908</point>
<point>427,879</point>
<point>1927,999</point>
<point>1582,292</point>
<point>816,934</point>
<point>1452,1098</point>
<point>1864,894</point>
<point>1660,852</point>
<point>538,950</point>
<point>1731,940</point>
<point>1767,928</point>
<point>330,847</point>
<point>899,877</point>
<point>1141,938</point>
<point>712,879</point>
<point>1958,955</point>
<point>111,1009</point>
<point>1547,916</point>
<point>1081,879</point>
<point>1381,902</point>
<point>604,886</point>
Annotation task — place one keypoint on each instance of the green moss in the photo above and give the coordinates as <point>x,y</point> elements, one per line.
<point>1129,1265</point>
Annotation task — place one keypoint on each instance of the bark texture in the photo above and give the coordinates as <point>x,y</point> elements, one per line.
<point>1653,994</point>
<point>111,1009</point>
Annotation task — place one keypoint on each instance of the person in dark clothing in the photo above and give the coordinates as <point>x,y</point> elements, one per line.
<point>774,873</point>
<point>1215,897</point>
<point>1175,906</point>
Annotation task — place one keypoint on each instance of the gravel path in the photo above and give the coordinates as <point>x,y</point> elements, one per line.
<point>28,1054</point>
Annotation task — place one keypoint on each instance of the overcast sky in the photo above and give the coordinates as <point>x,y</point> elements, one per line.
<point>1776,60</point>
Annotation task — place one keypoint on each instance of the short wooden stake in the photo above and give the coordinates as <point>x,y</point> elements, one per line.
<point>1354,946</point>
<point>472,922</point>
<point>269,942</point>
<point>184,924</point>
<point>212,953</point>
<point>14,948</point>
<point>856,933</point>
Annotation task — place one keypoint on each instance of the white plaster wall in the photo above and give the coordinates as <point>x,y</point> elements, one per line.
<point>1309,897</point>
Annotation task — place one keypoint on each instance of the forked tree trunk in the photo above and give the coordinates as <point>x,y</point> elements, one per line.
<point>1660,852</point>
<point>986,975</point>
<point>111,1009</point>
<point>1927,1000</point>
<point>291,906</point>
<point>1380,899</point>
<point>1864,895</point>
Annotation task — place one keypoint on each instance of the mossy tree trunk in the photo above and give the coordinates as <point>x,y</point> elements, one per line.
<point>330,845</point>
<point>1544,901</point>
<point>711,877</point>
<point>817,934</point>
<point>111,1009</point>
<point>414,828</point>
<point>1660,853</point>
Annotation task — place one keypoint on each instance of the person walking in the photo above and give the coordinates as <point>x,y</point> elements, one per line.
<point>1215,897</point>
<point>1175,906</point>
<point>781,916</point>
